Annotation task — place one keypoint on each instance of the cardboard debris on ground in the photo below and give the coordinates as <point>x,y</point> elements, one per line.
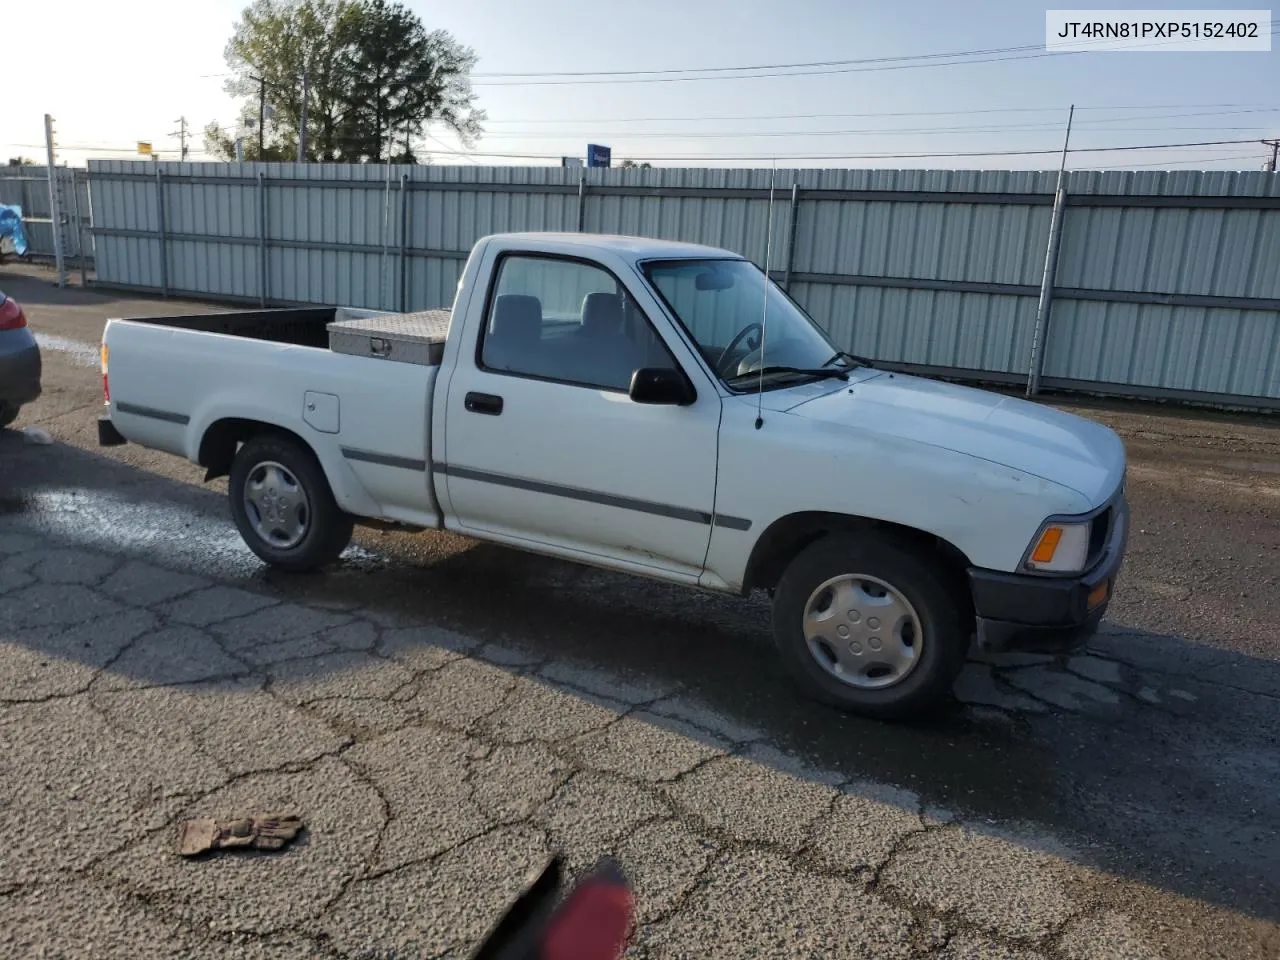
<point>261,831</point>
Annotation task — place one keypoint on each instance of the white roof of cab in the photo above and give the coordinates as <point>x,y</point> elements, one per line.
<point>637,248</point>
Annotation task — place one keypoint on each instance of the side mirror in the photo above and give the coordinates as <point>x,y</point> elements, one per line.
<point>661,385</point>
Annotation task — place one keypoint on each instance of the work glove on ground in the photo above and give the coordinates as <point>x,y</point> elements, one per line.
<point>264,831</point>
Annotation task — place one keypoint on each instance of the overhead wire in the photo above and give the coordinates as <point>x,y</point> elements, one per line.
<point>885,155</point>
<point>872,65</point>
<point>799,69</point>
<point>1208,109</point>
<point>954,154</point>
<point>910,132</point>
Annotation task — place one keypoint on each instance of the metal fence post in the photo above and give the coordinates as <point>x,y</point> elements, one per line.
<point>262,239</point>
<point>75,212</point>
<point>404,240</point>
<point>582,199</point>
<point>791,235</point>
<point>164,234</point>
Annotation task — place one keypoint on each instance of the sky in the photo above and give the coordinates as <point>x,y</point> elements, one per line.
<point>128,70</point>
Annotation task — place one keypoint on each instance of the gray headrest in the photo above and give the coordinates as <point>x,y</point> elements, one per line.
<point>517,317</point>
<point>601,314</point>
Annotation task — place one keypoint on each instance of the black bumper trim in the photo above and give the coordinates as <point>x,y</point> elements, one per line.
<point>108,435</point>
<point>1026,612</point>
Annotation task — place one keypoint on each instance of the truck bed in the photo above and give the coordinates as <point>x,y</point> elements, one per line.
<point>417,337</point>
<point>301,326</point>
<point>176,381</point>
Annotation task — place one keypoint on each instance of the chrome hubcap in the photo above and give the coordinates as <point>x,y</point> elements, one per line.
<point>862,631</point>
<point>276,505</point>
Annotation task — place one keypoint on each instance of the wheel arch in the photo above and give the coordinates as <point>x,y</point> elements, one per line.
<point>224,436</point>
<point>783,540</point>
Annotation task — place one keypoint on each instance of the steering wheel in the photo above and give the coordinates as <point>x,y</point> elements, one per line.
<point>738,338</point>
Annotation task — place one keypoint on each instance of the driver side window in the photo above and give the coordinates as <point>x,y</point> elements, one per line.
<point>569,321</point>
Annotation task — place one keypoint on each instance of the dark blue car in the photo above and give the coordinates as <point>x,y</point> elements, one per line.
<point>19,361</point>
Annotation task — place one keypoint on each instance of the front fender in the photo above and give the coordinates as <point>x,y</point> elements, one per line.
<point>794,465</point>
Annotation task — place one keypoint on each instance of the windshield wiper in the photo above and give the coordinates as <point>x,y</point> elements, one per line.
<point>744,378</point>
<point>854,359</point>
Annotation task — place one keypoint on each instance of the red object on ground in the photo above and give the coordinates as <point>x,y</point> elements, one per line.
<point>593,924</point>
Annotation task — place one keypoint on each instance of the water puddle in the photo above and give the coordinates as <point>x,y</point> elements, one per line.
<point>84,354</point>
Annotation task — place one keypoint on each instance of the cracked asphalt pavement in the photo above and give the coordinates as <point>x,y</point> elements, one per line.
<point>444,714</point>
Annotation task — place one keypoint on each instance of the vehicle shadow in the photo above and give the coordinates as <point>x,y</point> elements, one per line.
<point>1160,756</point>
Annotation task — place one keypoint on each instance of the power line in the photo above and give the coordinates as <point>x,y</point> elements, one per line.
<point>818,67</point>
<point>1210,107</point>
<point>822,156</point>
<point>912,131</point>
<point>757,71</point>
<point>1202,159</point>
<point>729,69</point>
<point>885,156</point>
<point>758,66</point>
<point>1029,52</point>
<point>862,132</point>
<point>448,149</point>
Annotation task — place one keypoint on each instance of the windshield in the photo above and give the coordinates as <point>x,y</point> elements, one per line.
<point>722,305</point>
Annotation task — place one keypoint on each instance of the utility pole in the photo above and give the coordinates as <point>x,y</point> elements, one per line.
<point>55,204</point>
<point>262,115</point>
<point>1040,333</point>
<point>1270,165</point>
<point>181,133</point>
<point>302,127</point>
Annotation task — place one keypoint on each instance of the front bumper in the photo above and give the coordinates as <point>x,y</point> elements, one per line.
<point>1048,614</point>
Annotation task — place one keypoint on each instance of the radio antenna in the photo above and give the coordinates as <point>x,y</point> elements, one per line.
<point>764,299</point>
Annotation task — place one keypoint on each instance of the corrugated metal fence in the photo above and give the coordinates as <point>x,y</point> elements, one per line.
<point>1167,284</point>
<point>28,188</point>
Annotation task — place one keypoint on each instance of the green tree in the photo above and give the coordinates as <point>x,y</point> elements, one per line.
<point>375,76</point>
<point>404,78</point>
<point>631,164</point>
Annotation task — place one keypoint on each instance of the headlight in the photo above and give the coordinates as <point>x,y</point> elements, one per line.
<point>1060,547</point>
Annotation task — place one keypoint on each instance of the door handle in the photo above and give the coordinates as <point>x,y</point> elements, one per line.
<point>483,403</point>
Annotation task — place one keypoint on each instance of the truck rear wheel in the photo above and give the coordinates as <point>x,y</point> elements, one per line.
<point>867,625</point>
<point>283,506</point>
<point>8,414</point>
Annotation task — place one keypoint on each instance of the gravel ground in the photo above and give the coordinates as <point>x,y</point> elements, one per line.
<point>445,713</point>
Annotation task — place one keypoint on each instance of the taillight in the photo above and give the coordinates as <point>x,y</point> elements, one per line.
<point>11,316</point>
<point>106,388</point>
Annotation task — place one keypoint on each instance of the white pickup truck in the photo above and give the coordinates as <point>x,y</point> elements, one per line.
<point>661,409</point>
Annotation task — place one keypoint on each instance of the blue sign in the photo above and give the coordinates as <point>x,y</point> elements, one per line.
<point>598,156</point>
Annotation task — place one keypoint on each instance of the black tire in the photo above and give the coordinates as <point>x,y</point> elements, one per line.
<point>327,528</point>
<point>8,414</point>
<point>924,584</point>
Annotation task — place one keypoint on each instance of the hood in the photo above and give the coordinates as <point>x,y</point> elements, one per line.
<point>1062,448</point>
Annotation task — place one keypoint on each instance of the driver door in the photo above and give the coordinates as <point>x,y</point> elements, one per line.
<point>543,443</point>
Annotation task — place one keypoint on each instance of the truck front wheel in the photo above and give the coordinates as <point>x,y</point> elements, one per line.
<point>283,506</point>
<point>868,625</point>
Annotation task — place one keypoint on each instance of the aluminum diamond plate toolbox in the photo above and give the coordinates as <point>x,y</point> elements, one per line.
<point>403,337</point>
